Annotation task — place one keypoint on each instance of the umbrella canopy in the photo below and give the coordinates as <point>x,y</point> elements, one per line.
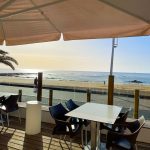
<point>31,21</point>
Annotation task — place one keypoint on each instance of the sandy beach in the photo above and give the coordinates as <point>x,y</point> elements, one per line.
<point>124,88</point>
<point>60,96</point>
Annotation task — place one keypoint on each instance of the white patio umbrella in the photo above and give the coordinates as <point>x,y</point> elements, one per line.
<point>31,21</point>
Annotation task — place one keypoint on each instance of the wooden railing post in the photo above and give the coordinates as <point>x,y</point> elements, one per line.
<point>88,95</point>
<point>39,86</point>
<point>50,97</point>
<point>110,89</point>
<point>20,95</point>
<point>136,104</point>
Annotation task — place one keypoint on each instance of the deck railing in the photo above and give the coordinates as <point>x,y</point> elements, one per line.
<point>88,91</point>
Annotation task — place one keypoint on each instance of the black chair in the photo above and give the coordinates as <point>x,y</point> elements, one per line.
<point>117,126</point>
<point>10,105</point>
<point>127,139</point>
<point>71,105</point>
<point>64,125</point>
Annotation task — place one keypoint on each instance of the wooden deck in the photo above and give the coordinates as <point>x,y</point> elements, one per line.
<point>14,138</point>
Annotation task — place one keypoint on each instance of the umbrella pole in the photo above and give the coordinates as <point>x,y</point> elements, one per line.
<point>111,77</point>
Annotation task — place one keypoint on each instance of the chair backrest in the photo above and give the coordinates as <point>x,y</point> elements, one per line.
<point>122,117</point>
<point>58,111</point>
<point>71,105</point>
<point>136,127</point>
<point>137,124</point>
<point>141,121</point>
<point>11,103</point>
<point>2,98</point>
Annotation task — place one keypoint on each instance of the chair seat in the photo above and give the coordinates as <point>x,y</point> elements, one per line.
<point>124,143</point>
<point>3,108</point>
<point>64,129</point>
<point>60,129</point>
<point>10,109</point>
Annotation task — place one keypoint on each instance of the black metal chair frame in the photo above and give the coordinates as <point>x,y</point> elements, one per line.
<point>10,105</point>
<point>61,122</point>
<point>71,105</point>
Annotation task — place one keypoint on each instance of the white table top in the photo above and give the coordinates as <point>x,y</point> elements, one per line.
<point>96,112</point>
<point>35,102</point>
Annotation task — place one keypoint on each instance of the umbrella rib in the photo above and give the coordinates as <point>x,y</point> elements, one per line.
<point>6,4</point>
<point>29,9</point>
<point>125,11</point>
<point>11,20</point>
<point>144,31</point>
<point>48,19</point>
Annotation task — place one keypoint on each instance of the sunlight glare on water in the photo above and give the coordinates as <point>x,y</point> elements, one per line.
<point>31,70</point>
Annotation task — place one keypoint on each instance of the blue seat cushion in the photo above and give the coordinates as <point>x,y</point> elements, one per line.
<point>124,143</point>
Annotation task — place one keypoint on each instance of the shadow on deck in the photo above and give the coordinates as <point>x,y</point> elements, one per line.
<point>14,138</point>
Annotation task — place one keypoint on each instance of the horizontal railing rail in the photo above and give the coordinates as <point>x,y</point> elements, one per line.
<point>75,89</point>
<point>59,88</point>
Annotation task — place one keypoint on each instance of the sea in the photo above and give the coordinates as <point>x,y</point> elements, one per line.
<point>83,76</point>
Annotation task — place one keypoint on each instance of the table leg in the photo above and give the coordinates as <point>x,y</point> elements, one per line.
<point>93,135</point>
<point>98,135</point>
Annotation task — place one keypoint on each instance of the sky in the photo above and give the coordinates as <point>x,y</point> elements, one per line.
<point>131,55</point>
